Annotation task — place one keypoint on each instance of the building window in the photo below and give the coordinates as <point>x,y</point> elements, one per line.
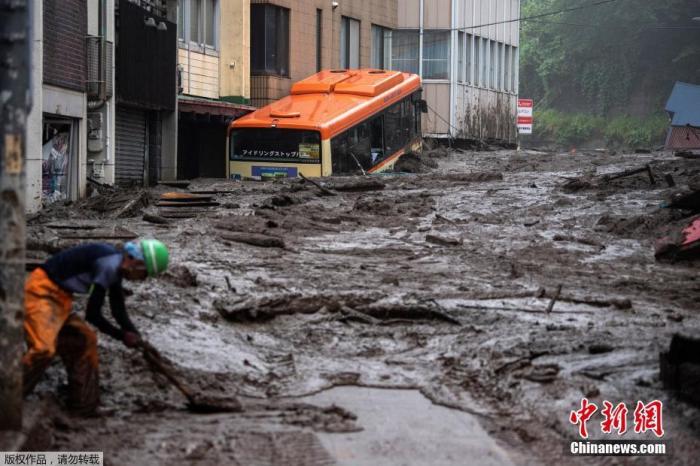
<point>269,40</point>
<point>502,63</point>
<point>319,37</point>
<point>349,43</point>
<point>492,64</point>
<point>404,50</point>
<point>381,47</point>
<point>469,48</point>
<point>514,67</point>
<point>506,68</point>
<point>460,57</point>
<point>197,22</point>
<point>477,61</point>
<point>436,55</point>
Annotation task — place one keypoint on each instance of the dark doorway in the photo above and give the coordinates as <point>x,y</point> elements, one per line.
<point>201,148</point>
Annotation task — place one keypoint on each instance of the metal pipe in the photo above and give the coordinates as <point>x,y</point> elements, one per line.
<point>420,40</point>
<point>97,104</point>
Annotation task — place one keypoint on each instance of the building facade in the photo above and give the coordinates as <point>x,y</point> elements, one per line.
<point>466,52</point>
<point>293,39</point>
<point>104,92</point>
<point>214,76</point>
<point>56,126</point>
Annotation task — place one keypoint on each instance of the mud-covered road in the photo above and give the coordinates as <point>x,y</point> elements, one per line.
<point>439,282</point>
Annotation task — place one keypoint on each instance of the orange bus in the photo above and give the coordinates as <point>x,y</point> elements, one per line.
<point>334,122</point>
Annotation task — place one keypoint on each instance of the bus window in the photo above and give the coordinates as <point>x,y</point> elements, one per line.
<point>397,121</point>
<point>377,134</point>
<point>275,145</point>
<point>351,150</point>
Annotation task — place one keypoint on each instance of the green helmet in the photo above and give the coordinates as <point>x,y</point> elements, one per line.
<point>155,255</point>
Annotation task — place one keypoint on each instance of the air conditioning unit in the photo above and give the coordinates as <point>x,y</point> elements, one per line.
<point>99,83</point>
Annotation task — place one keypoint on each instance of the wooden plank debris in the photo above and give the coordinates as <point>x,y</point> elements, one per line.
<point>254,239</point>
<point>185,197</point>
<point>186,204</point>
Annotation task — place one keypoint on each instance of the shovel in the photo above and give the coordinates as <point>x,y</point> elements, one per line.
<point>195,403</point>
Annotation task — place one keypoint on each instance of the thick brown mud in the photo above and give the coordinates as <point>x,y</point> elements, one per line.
<point>440,281</point>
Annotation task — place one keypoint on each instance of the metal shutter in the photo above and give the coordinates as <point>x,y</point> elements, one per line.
<point>131,146</point>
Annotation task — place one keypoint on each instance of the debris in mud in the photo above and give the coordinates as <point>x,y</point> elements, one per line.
<point>413,163</point>
<point>443,240</point>
<point>472,177</point>
<point>685,200</point>
<point>600,348</point>
<point>254,239</point>
<point>637,226</point>
<point>411,205</point>
<point>185,198</point>
<point>132,207</point>
<point>591,181</point>
<point>108,234</point>
<point>359,186</point>
<point>683,244</point>
<point>331,419</point>
<point>544,373</point>
<point>156,219</point>
<point>196,402</point>
<point>281,200</point>
<point>262,309</point>
<point>119,204</point>
<point>181,276</point>
<point>680,367</point>
<point>553,301</point>
<point>323,190</point>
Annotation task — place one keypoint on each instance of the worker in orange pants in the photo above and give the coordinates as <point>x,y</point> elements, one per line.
<point>50,327</point>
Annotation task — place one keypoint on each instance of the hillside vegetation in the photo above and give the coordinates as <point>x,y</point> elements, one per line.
<point>604,72</point>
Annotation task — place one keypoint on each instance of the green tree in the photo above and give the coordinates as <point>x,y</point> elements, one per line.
<point>613,59</point>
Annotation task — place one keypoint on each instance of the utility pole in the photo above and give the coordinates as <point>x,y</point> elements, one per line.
<point>15,62</point>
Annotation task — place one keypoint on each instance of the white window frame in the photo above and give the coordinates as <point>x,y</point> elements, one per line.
<point>346,23</point>
<point>386,34</point>
<point>461,56</point>
<point>184,13</point>
<point>448,60</point>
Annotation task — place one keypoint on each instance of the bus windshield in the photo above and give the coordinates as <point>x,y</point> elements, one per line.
<point>275,145</point>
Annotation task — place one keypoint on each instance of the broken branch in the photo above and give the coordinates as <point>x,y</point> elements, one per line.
<point>324,191</point>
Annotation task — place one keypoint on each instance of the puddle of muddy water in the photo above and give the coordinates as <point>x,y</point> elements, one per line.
<point>402,427</point>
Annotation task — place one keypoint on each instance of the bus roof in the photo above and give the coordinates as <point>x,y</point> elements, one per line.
<point>332,101</point>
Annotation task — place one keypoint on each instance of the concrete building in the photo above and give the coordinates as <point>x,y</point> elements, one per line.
<point>214,89</point>
<point>101,111</point>
<point>293,39</point>
<point>145,62</point>
<point>466,51</point>
<point>56,127</point>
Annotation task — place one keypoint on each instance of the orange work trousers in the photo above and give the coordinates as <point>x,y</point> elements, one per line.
<point>50,328</point>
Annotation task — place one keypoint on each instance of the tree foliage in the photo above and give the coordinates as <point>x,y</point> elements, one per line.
<point>619,58</point>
